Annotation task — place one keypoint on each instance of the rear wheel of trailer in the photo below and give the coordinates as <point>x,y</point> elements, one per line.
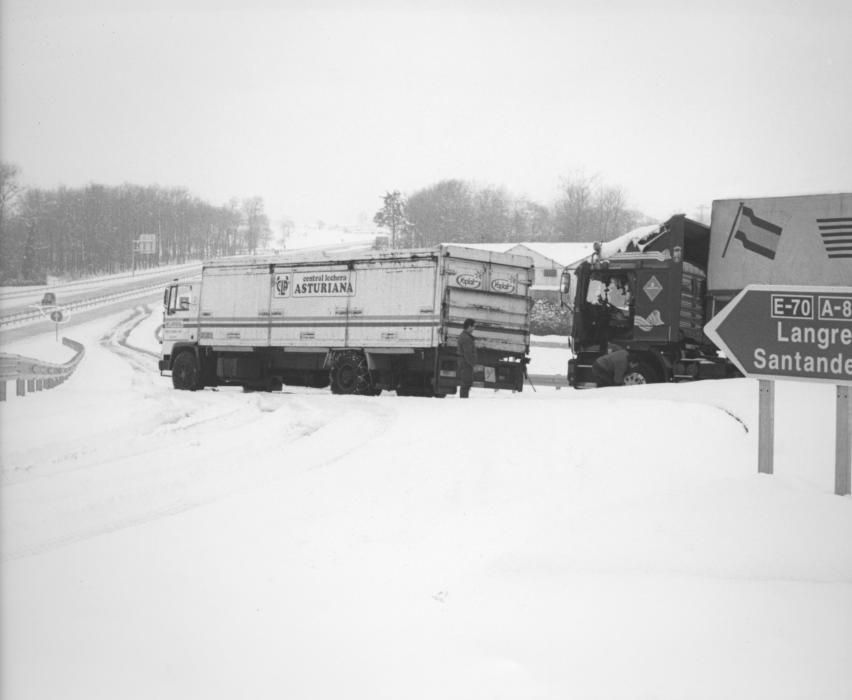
<point>350,374</point>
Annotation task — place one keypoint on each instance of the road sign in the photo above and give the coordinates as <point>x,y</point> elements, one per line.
<point>146,244</point>
<point>58,314</point>
<point>781,332</point>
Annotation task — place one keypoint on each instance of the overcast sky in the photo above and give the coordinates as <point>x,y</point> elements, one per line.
<point>321,107</point>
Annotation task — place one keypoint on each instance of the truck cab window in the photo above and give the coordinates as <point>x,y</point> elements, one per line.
<point>609,302</point>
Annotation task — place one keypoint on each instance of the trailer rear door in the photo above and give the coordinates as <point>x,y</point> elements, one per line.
<point>494,295</point>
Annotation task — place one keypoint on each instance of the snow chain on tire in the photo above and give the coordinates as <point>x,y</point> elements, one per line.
<point>350,374</point>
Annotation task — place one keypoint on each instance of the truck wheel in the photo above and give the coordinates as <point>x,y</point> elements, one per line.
<point>643,373</point>
<point>185,372</point>
<point>349,374</point>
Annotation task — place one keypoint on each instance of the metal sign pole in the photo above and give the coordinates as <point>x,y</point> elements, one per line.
<point>766,427</point>
<point>843,464</point>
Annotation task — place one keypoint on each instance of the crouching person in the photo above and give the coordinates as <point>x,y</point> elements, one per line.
<point>609,369</point>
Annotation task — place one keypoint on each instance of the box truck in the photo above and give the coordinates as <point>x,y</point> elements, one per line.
<point>652,290</point>
<point>359,322</point>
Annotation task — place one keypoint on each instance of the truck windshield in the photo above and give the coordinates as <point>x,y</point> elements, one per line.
<point>607,289</point>
<point>608,304</point>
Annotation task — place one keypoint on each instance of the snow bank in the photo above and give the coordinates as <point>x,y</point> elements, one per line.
<point>616,543</point>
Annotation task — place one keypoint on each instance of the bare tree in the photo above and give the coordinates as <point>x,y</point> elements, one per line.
<point>573,211</point>
<point>257,224</point>
<point>287,229</point>
<point>9,191</point>
<point>392,216</point>
<point>589,210</point>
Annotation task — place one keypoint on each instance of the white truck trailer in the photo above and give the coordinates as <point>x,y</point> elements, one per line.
<point>360,322</point>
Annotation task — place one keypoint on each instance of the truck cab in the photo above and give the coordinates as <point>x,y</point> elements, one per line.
<point>180,307</point>
<point>646,293</point>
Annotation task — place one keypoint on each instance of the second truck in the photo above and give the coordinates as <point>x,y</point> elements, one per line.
<point>652,290</point>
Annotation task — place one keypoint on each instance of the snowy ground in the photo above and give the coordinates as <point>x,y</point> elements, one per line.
<point>616,543</point>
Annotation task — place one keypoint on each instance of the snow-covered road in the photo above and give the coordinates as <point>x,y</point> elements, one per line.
<point>603,544</point>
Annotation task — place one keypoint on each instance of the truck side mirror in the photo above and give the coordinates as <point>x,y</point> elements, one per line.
<point>565,289</point>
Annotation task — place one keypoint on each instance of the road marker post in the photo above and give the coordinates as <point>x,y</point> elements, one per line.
<point>843,463</point>
<point>766,427</point>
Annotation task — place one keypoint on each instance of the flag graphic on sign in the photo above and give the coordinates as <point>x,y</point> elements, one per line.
<point>757,235</point>
<point>836,236</point>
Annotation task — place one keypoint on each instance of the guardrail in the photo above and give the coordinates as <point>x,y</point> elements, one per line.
<point>7,294</point>
<point>41,313</point>
<point>37,375</point>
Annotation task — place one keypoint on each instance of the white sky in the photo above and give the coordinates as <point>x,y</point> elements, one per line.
<point>321,107</point>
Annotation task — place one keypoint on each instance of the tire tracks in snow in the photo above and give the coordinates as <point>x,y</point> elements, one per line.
<point>196,448</point>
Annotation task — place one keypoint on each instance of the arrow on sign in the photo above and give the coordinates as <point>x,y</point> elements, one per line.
<point>781,332</point>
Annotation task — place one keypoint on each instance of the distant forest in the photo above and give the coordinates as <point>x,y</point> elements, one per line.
<point>459,211</point>
<point>98,229</point>
<point>79,232</point>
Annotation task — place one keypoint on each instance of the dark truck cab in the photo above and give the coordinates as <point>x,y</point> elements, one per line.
<point>646,294</point>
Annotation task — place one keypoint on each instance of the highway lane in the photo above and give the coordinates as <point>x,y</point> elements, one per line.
<point>17,299</point>
<point>13,335</point>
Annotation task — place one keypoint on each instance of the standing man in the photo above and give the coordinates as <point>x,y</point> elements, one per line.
<point>467,357</point>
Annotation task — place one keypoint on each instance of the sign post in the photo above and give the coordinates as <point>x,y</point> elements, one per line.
<point>58,315</point>
<point>766,427</point>
<point>804,333</point>
<point>146,244</point>
<point>843,475</point>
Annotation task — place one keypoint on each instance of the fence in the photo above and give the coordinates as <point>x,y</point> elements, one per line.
<point>35,375</point>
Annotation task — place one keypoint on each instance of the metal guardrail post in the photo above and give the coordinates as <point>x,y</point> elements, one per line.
<point>32,375</point>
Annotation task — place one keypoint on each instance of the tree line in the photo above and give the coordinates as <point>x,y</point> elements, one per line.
<point>98,229</point>
<point>458,211</point>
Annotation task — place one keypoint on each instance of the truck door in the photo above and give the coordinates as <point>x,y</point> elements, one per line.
<point>394,304</point>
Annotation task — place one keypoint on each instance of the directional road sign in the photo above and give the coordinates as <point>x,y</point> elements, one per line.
<point>781,332</point>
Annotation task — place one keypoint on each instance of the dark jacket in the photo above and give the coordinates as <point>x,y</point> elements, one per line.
<point>467,356</point>
<point>610,369</point>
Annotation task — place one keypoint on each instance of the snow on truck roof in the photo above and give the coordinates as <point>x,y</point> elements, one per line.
<point>335,256</point>
<point>638,239</point>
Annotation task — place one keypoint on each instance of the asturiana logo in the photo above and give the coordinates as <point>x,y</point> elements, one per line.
<point>282,285</point>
